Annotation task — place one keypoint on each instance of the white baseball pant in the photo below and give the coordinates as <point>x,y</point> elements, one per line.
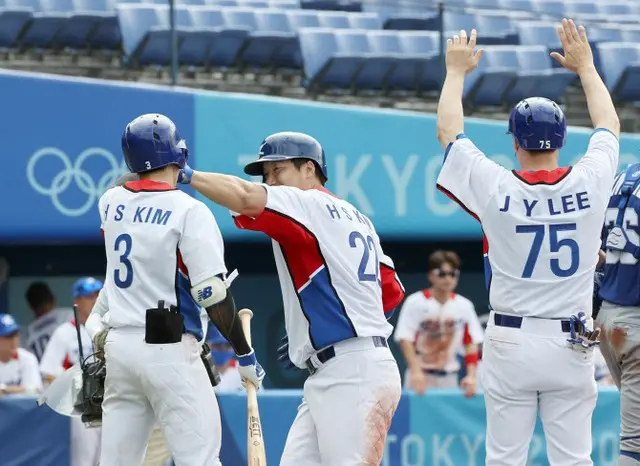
<point>347,408</point>
<point>531,369</point>
<point>85,443</point>
<point>164,382</point>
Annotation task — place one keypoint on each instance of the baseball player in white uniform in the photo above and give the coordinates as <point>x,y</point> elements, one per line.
<point>48,317</point>
<point>542,226</point>
<point>164,249</point>
<point>62,352</point>
<point>434,326</point>
<point>338,289</point>
<point>18,367</point>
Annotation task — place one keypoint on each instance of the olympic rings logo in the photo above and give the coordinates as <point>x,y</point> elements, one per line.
<point>75,173</point>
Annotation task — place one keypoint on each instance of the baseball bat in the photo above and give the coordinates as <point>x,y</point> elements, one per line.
<point>256,455</point>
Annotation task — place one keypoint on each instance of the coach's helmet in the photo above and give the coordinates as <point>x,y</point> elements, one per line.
<point>85,286</point>
<point>538,124</point>
<point>287,146</point>
<point>152,141</point>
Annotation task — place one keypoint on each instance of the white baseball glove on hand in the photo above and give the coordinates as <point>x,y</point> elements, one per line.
<point>581,337</point>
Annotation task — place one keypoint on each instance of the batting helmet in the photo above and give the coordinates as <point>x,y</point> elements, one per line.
<point>152,141</point>
<point>538,124</point>
<point>85,286</point>
<point>287,146</point>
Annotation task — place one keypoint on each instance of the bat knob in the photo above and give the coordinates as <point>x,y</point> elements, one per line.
<point>245,311</point>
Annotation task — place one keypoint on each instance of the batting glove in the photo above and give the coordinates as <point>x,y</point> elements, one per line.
<point>185,174</point>
<point>283,354</point>
<point>581,335</point>
<point>250,369</point>
<point>98,343</point>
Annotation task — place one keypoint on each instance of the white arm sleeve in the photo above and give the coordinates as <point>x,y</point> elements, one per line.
<point>600,162</point>
<point>469,177</point>
<point>201,244</point>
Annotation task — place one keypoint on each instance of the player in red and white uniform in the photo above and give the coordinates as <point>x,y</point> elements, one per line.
<point>62,352</point>
<point>338,289</point>
<point>48,317</point>
<point>18,367</point>
<point>434,326</point>
<point>542,229</point>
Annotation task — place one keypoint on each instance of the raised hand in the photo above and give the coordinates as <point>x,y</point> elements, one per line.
<point>577,51</point>
<point>461,54</point>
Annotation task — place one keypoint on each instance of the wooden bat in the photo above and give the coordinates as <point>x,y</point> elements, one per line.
<point>256,455</point>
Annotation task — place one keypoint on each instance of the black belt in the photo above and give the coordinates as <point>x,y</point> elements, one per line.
<point>438,372</point>
<point>330,353</point>
<point>503,320</point>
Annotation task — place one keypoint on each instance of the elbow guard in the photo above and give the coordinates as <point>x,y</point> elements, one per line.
<point>209,292</point>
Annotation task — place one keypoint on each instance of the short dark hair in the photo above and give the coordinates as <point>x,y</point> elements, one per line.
<point>440,257</point>
<point>39,295</point>
<point>301,161</point>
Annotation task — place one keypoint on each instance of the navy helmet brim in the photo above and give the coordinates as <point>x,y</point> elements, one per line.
<point>256,167</point>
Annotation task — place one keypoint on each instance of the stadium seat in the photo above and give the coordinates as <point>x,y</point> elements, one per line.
<point>337,5</point>
<point>620,8</point>
<point>425,47</point>
<point>206,23</point>
<point>48,19</point>
<point>86,19</point>
<point>136,20</point>
<point>272,34</point>
<point>495,74</point>
<point>621,70</point>
<point>578,7</point>
<point>495,29</point>
<point>326,62</point>
<point>538,33</point>
<point>364,21</point>
<point>14,17</point>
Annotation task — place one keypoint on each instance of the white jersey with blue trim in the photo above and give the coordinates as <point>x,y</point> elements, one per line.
<point>542,228</point>
<point>336,281</point>
<point>159,241</point>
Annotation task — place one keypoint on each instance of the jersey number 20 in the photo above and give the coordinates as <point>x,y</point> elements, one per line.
<point>120,278</point>
<point>369,245</point>
<point>555,246</point>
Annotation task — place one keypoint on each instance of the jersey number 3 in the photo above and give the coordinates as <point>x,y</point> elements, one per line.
<point>369,245</point>
<point>120,278</point>
<point>555,246</point>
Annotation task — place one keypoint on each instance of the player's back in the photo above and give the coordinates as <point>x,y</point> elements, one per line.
<point>144,225</point>
<point>541,227</point>
<point>543,243</point>
<point>621,281</point>
<point>351,249</point>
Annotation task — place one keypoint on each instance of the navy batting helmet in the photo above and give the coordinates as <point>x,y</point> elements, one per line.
<point>538,124</point>
<point>152,141</point>
<point>287,146</point>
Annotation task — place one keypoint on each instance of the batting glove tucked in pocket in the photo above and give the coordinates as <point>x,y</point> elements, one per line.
<point>581,336</point>
<point>250,369</point>
<point>283,354</point>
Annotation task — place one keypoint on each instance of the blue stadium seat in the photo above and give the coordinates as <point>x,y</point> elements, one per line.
<point>494,29</point>
<point>412,21</point>
<point>517,5</point>
<point>408,67</point>
<point>549,9</point>
<point>206,23</point>
<point>374,69</point>
<point>598,34</point>
<point>538,33</point>
<point>263,45</point>
<point>333,19</point>
<point>326,63</point>
<point>299,19</point>
<point>87,17</point>
<point>424,46</point>
<point>337,5</point>
<point>14,18</point>
<point>629,35</point>
<point>496,73</point>
<point>621,70</point>
<point>364,21</point>
<point>284,5</point>
<point>573,8</point>
<point>621,8</point>
<point>489,4</point>
<point>253,3</point>
<point>135,21</point>
<point>535,76</point>
<point>220,3</point>
<point>155,46</point>
<point>49,18</point>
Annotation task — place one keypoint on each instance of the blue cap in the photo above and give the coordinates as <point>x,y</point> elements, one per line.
<point>85,286</point>
<point>8,325</point>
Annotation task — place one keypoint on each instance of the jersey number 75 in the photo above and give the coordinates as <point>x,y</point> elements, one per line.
<point>556,245</point>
